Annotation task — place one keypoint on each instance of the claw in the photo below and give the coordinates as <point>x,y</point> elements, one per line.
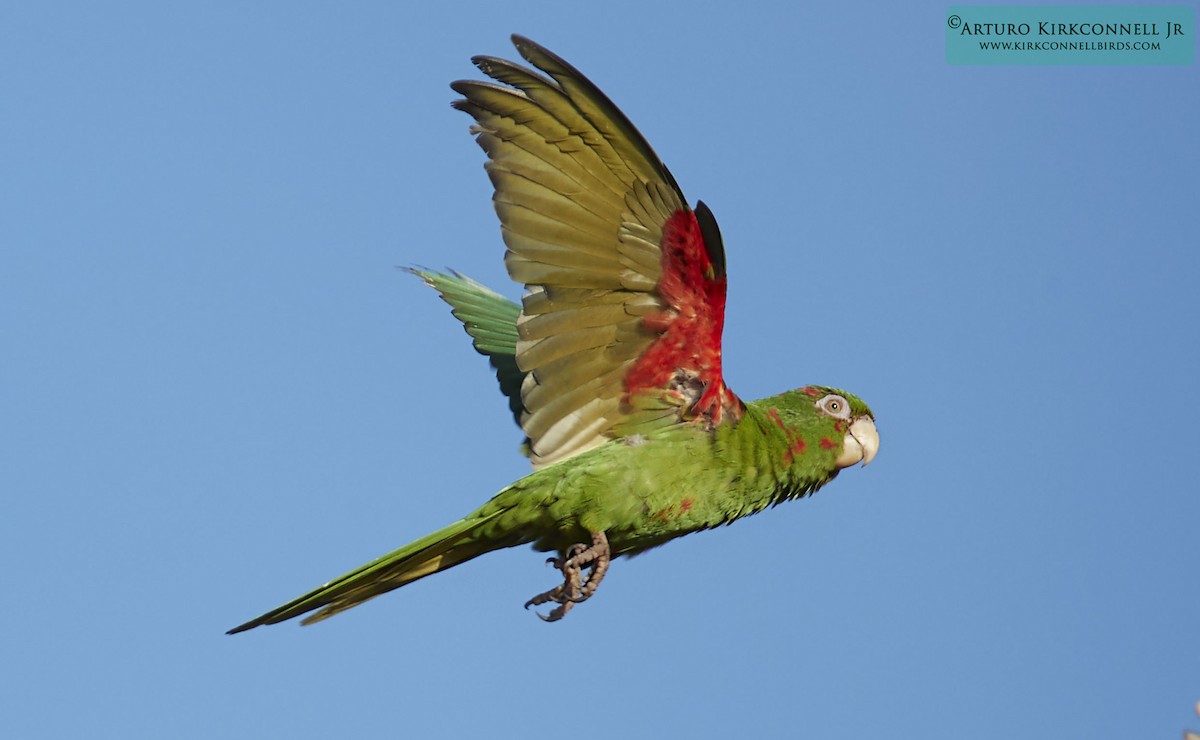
<point>574,589</point>
<point>556,613</point>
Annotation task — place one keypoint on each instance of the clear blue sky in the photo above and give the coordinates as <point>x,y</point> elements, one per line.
<point>217,390</point>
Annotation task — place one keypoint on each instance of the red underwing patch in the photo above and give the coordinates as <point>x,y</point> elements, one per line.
<point>690,328</point>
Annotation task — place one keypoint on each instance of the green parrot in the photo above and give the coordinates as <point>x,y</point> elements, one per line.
<point>611,363</point>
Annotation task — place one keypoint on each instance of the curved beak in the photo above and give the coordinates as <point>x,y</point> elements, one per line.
<point>860,445</point>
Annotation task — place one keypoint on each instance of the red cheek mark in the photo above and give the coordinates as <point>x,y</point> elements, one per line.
<point>839,426</point>
<point>774,414</point>
<point>827,443</point>
<point>796,445</point>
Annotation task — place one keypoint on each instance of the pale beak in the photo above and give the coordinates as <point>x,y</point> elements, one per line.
<point>860,445</point>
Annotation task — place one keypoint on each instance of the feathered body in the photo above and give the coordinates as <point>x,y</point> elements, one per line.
<point>612,363</point>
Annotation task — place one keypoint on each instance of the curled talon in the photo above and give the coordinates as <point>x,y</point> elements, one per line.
<point>574,589</point>
<point>557,612</point>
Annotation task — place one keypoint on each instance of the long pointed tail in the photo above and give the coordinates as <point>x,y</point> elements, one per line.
<point>430,554</point>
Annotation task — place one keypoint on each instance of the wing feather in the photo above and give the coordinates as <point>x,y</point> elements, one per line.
<point>601,236</point>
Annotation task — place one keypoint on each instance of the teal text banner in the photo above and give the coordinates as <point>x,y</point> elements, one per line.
<point>1076,34</point>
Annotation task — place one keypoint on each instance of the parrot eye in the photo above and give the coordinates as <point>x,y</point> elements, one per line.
<point>835,406</point>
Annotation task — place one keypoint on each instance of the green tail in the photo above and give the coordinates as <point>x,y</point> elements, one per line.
<point>433,553</point>
<point>491,320</point>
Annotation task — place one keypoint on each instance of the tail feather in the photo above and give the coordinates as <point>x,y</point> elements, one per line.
<point>436,552</point>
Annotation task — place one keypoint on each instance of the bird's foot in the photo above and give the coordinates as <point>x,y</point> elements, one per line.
<point>575,588</point>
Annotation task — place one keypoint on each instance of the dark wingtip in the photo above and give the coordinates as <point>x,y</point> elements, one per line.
<point>484,62</point>
<point>530,50</point>
<point>711,233</point>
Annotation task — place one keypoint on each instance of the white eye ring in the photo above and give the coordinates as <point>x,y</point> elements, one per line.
<point>835,406</point>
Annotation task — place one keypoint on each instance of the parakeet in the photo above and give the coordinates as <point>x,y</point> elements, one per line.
<point>611,363</point>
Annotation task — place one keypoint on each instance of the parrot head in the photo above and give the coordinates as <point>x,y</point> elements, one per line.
<point>829,420</point>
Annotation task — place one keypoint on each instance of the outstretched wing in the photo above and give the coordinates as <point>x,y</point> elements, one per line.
<point>620,331</point>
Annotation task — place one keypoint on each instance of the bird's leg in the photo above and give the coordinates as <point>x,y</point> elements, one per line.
<point>574,589</point>
<point>599,558</point>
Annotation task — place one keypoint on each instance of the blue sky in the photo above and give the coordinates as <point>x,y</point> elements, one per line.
<point>217,390</point>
